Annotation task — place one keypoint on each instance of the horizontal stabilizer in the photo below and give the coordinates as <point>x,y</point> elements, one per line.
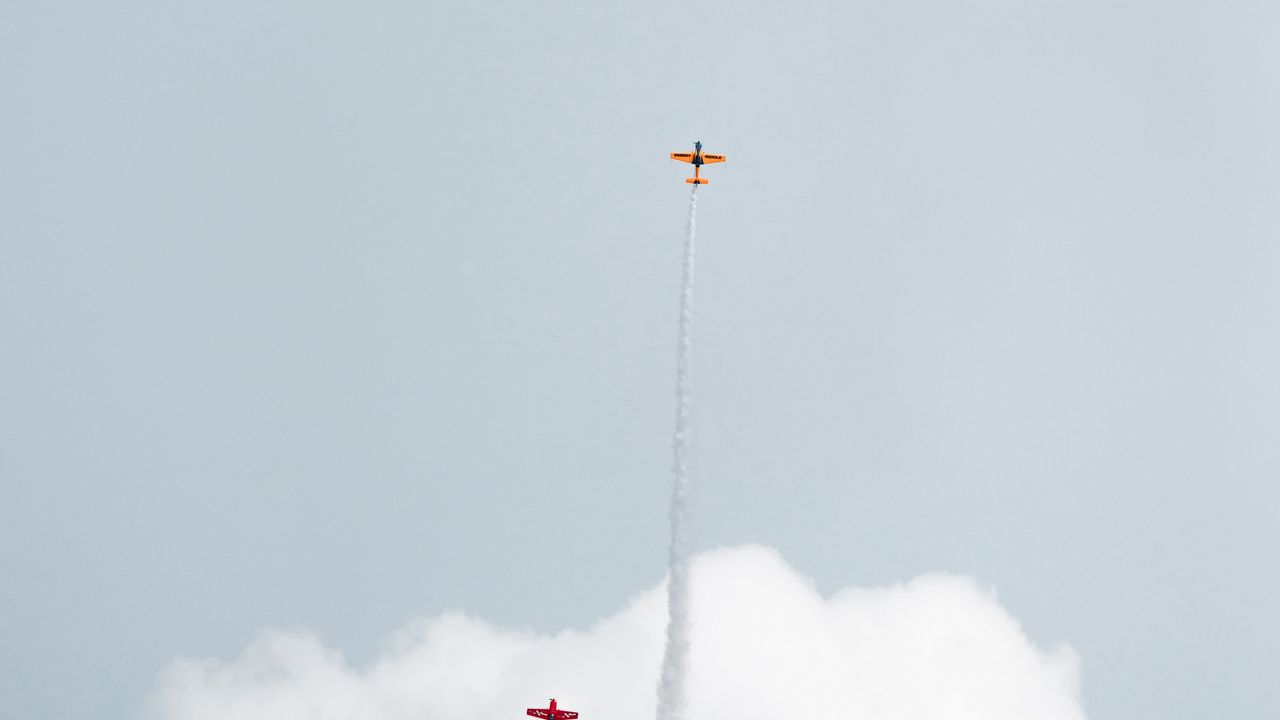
<point>697,181</point>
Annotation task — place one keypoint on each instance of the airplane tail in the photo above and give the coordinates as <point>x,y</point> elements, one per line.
<point>697,181</point>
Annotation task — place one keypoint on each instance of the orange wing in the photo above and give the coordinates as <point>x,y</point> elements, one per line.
<point>682,157</point>
<point>708,159</point>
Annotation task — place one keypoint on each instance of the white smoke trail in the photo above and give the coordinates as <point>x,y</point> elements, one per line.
<point>671,685</point>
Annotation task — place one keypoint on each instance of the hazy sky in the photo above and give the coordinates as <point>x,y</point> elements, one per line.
<point>330,315</point>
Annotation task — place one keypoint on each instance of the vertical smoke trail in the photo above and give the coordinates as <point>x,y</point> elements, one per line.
<point>671,686</point>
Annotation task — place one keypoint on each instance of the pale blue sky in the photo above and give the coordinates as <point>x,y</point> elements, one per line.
<point>333,314</point>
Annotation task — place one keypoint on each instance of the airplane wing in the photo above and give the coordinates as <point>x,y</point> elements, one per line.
<point>708,159</point>
<point>682,157</point>
<point>545,714</point>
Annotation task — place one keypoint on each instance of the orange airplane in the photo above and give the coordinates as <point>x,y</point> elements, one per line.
<point>698,159</point>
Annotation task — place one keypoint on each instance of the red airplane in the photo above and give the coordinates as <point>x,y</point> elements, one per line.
<point>551,713</point>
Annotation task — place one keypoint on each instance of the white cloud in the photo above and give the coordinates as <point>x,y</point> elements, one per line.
<point>765,644</point>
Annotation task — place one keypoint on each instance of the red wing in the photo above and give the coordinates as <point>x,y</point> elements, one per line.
<point>682,157</point>
<point>538,713</point>
<point>567,714</point>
